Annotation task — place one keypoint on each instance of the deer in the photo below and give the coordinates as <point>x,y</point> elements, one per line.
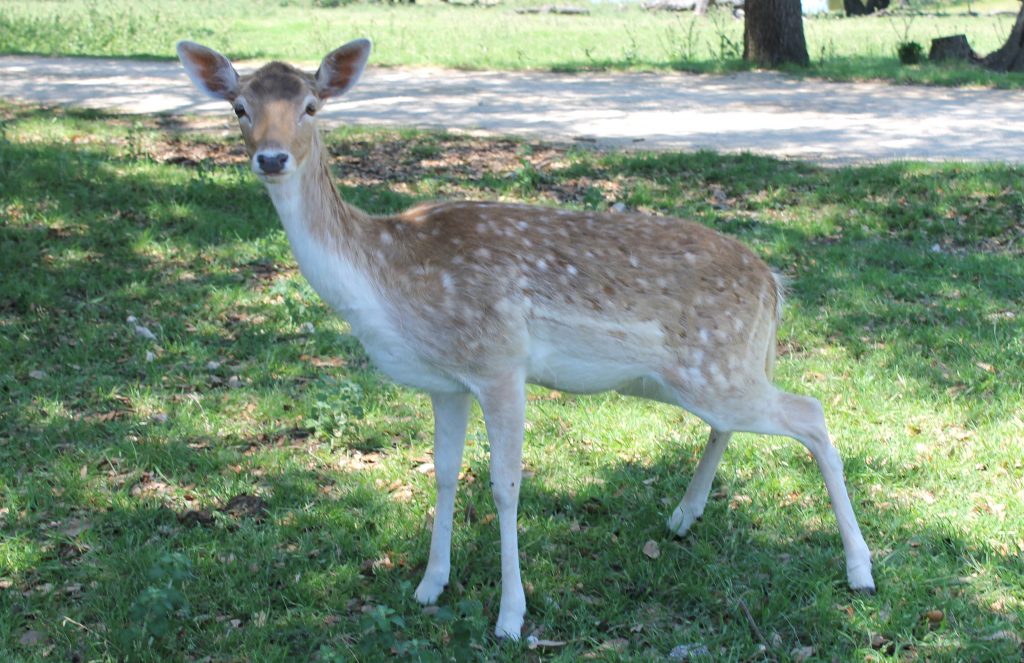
<point>474,300</point>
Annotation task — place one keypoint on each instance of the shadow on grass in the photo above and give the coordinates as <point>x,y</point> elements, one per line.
<point>333,543</point>
<point>93,489</point>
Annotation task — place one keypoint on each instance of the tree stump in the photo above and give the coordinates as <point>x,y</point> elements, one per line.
<point>954,47</point>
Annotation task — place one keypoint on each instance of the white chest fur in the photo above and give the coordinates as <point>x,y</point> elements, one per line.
<point>351,292</point>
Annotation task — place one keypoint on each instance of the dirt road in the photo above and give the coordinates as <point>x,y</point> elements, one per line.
<point>764,113</point>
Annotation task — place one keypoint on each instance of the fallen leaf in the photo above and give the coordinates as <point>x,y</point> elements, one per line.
<point>196,517</point>
<point>651,549</point>
<point>145,333</point>
<point>801,653</point>
<point>688,652</point>
<point>533,642</point>
<point>73,527</point>
<point>883,644</point>
<point>988,368</point>
<point>246,506</point>
<point>738,500</point>
<point>934,617</point>
<point>616,645</point>
<point>31,638</point>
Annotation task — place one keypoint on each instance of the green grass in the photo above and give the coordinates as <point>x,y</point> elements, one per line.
<point>905,318</point>
<point>612,37</point>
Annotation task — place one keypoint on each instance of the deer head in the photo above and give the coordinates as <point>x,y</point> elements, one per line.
<point>277,104</point>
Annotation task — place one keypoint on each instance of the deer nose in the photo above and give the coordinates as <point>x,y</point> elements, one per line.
<point>272,164</point>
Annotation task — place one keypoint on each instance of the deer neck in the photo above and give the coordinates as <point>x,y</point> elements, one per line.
<point>327,235</point>
<point>308,203</point>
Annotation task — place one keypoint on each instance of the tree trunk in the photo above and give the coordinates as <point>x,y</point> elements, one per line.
<point>1011,56</point>
<point>858,8</point>
<point>773,33</point>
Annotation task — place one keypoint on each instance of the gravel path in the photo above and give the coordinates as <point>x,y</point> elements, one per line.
<point>764,113</point>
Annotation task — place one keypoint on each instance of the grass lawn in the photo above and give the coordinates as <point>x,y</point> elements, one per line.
<point>243,486</point>
<point>613,36</point>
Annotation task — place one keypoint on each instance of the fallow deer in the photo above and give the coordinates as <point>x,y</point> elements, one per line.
<point>476,299</point>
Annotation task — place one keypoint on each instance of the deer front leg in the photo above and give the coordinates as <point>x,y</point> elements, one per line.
<point>504,403</point>
<point>451,412</point>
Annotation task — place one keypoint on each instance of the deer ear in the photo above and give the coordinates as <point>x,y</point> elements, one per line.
<point>341,68</point>
<point>210,71</point>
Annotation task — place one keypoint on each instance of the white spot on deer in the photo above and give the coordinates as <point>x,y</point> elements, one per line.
<point>694,376</point>
<point>481,228</point>
<point>386,238</point>
<point>633,262</point>
<point>448,282</point>
<point>571,269</point>
<point>690,258</point>
<point>483,253</point>
<point>542,264</point>
<point>737,324</point>
<point>703,335</point>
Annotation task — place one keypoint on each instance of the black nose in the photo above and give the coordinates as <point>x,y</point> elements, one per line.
<point>272,164</point>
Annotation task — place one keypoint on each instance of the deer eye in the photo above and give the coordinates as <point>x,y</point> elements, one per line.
<point>239,111</point>
<point>311,108</point>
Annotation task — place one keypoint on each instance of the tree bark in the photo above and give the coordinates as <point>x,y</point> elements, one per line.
<point>773,33</point>
<point>1011,56</point>
<point>858,8</point>
<point>954,47</point>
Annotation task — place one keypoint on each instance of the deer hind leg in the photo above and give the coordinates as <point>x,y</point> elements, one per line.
<point>802,418</point>
<point>762,408</point>
<point>451,413</point>
<point>691,508</point>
